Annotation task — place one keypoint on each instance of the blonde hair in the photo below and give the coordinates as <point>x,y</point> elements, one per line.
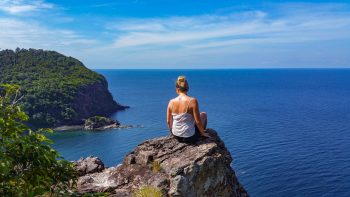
<point>182,84</point>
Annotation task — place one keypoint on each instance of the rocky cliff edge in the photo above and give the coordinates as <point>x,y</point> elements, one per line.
<point>176,169</point>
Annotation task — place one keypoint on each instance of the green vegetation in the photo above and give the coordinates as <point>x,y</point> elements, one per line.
<point>98,122</point>
<point>50,82</point>
<point>28,164</point>
<point>148,191</point>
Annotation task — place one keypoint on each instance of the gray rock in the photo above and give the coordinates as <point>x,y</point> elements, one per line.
<point>100,123</point>
<point>179,186</point>
<point>89,165</point>
<point>202,169</point>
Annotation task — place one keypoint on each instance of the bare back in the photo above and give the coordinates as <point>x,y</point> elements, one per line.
<point>181,104</point>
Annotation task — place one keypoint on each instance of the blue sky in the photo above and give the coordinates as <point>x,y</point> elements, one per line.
<point>183,33</point>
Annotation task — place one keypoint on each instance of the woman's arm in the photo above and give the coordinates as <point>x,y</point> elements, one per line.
<point>197,118</point>
<point>169,117</point>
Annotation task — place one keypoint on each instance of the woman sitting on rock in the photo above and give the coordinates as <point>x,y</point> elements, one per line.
<point>183,117</point>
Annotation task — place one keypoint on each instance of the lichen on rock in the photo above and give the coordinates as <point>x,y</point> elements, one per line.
<point>201,169</point>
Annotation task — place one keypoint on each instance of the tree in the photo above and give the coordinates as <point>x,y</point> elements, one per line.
<point>54,86</point>
<point>28,164</point>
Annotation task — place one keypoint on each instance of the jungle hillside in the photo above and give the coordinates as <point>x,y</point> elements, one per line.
<point>57,90</point>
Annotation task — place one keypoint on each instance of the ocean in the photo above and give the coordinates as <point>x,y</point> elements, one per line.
<point>288,130</point>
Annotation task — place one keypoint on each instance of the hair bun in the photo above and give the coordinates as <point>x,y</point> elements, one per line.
<point>181,79</point>
<point>182,83</point>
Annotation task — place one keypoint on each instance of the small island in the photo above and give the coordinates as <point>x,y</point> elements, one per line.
<point>95,123</point>
<point>100,123</point>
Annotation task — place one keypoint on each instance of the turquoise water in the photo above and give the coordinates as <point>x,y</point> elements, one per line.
<point>288,130</point>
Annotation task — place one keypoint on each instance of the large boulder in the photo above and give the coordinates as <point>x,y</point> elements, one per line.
<point>175,169</point>
<point>89,165</point>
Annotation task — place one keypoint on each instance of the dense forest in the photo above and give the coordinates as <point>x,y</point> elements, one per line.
<point>57,89</point>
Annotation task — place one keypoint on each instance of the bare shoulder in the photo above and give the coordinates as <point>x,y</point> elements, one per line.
<point>193,101</point>
<point>170,102</point>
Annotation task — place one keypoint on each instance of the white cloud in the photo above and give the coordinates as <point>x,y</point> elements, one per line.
<point>296,33</point>
<point>15,7</point>
<point>217,30</point>
<point>29,34</point>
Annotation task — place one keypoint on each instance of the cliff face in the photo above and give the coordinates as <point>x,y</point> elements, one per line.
<point>94,100</point>
<point>202,169</point>
<point>57,89</point>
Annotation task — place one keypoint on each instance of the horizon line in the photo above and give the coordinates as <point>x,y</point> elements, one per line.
<point>252,68</point>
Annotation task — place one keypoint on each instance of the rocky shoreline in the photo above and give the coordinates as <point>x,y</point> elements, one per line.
<point>168,166</point>
<point>81,127</point>
<point>95,123</point>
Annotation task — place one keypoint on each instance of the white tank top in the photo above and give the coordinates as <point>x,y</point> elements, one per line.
<point>183,123</point>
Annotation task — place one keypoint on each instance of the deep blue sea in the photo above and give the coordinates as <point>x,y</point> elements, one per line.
<point>288,130</point>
